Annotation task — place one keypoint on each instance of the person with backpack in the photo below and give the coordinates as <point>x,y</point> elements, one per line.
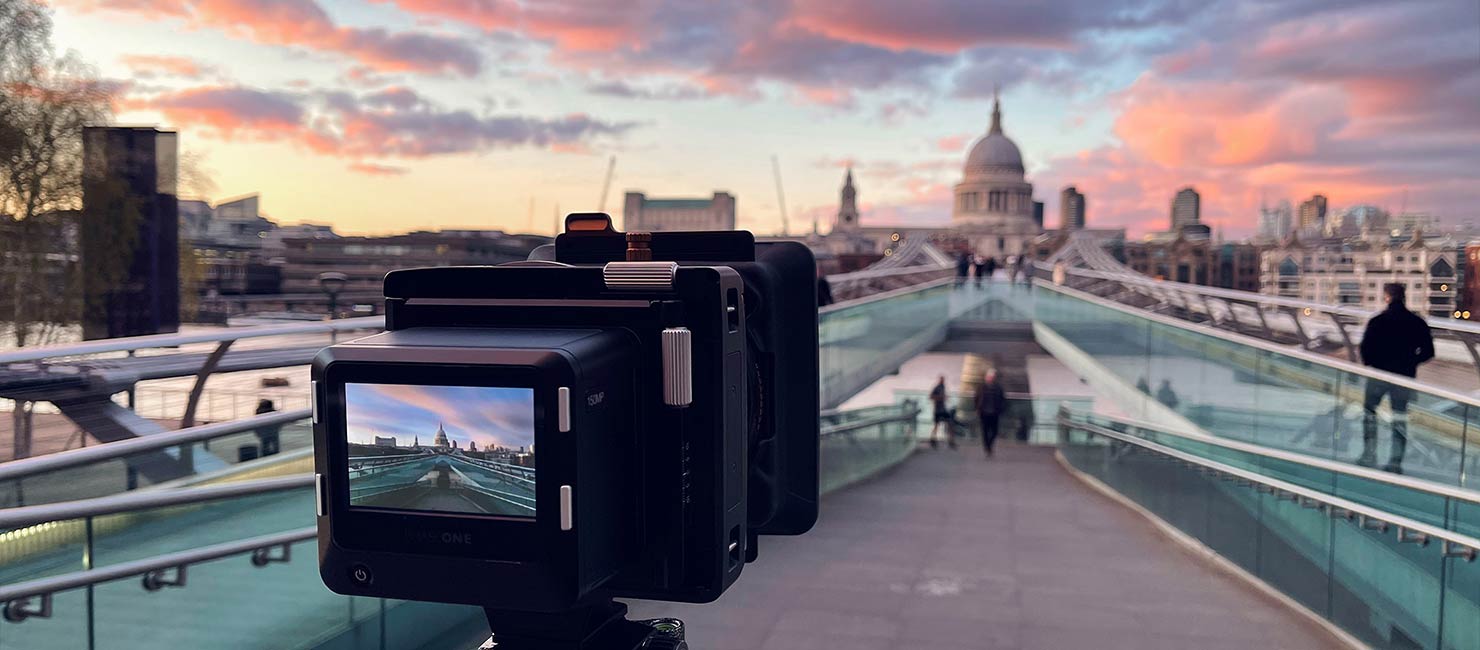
<point>943,415</point>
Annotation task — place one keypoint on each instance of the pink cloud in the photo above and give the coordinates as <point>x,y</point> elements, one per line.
<point>394,122</point>
<point>374,169</point>
<point>303,23</point>
<point>148,66</point>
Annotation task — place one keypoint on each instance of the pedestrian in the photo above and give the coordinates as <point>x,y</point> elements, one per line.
<point>991,267</point>
<point>824,290</point>
<point>991,401</point>
<point>981,270</point>
<point>943,415</point>
<point>1166,395</point>
<point>1396,341</point>
<point>267,435</point>
<point>963,267</point>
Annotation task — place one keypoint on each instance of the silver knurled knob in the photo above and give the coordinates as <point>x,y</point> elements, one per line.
<point>678,366</point>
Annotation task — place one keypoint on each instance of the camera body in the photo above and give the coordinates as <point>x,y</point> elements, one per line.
<point>671,404</point>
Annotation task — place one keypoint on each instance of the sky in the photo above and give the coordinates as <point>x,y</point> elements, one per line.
<point>390,115</point>
<point>487,416</point>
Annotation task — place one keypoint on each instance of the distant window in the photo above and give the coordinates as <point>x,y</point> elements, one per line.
<point>1289,267</point>
<point>1441,269</point>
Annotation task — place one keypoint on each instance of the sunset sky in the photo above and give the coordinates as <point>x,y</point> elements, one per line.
<point>488,416</point>
<point>390,115</point>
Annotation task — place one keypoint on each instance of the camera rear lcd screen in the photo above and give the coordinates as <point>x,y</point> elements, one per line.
<point>456,449</point>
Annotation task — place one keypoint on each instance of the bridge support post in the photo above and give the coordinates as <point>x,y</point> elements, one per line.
<point>188,420</point>
<point>22,423</point>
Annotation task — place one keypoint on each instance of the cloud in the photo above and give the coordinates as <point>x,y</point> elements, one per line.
<point>1361,103</point>
<point>228,112</point>
<point>149,66</point>
<point>304,24</point>
<point>666,92</point>
<point>391,123</point>
<point>374,169</point>
<point>954,143</point>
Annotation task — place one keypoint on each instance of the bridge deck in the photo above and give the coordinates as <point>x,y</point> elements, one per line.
<point>948,551</point>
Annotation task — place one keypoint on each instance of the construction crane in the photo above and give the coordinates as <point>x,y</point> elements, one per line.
<point>606,186</point>
<point>780,196</point>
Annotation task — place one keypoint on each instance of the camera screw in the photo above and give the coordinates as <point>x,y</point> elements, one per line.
<point>639,247</point>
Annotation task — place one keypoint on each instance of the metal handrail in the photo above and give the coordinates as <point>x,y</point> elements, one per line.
<point>1454,543</point>
<point>125,344</point>
<point>45,587</point>
<point>1260,298</point>
<point>838,429</point>
<point>1315,462</point>
<point>867,274</point>
<point>17,469</point>
<point>838,306</point>
<point>23,516</point>
<point>1244,339</point>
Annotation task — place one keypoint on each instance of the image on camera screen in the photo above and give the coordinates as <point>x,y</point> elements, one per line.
<point>459,449</point>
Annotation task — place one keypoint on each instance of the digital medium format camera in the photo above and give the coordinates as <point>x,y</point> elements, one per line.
<point>621,418</point>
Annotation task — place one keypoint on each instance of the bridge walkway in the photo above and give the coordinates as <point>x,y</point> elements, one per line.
<point>949,551</point>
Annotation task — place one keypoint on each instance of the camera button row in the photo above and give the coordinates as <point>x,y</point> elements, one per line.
<point>562,407</point>
<point>567,511</point>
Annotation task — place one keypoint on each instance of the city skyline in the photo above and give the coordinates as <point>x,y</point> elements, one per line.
<point>489,416</point>
<point>394,116</point>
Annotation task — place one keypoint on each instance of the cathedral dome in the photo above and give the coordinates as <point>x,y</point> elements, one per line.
<point>994,154</point>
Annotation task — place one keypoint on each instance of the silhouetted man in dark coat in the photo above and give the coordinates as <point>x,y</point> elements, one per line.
<point>1396,341</point>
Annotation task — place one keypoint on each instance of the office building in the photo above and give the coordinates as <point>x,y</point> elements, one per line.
<point>1404,225</point>
<point>1186,208</point>
<point>1354,272</point>
<point>1313,216</point>
<point>1071,209</point>
<point>640,213</point>
<point>130,232</point>
<point>1191,257</point>
<point>1276,223</point>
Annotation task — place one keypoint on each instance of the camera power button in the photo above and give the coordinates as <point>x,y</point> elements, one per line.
<point>361,575</point>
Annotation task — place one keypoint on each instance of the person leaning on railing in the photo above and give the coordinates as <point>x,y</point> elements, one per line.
<point>1396,341</point>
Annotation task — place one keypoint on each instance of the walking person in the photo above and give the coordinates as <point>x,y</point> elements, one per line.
<point>991,268</point>
<point>963,268</point>
<point>267,435</point>
<point>1166,395</point>
<point>991,401</point>
<point>943,415</point>
<point>981,270</point>
<point>1396,341</point>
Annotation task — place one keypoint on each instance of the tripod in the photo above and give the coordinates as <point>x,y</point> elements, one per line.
<point>602,625</point>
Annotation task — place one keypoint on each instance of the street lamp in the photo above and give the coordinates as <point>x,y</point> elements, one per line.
<point>332,282</point>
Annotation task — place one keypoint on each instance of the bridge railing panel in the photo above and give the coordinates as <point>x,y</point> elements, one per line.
<point>1389,563</point>
<point>88,570</point>
<point>1196,376</point>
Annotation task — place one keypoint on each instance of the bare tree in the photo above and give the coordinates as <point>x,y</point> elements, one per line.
<point>45,100</point>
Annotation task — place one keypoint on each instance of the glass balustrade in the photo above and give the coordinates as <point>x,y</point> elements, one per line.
<point>1386,592</point>
<point>227,457</point>
<point>1195,377</point>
